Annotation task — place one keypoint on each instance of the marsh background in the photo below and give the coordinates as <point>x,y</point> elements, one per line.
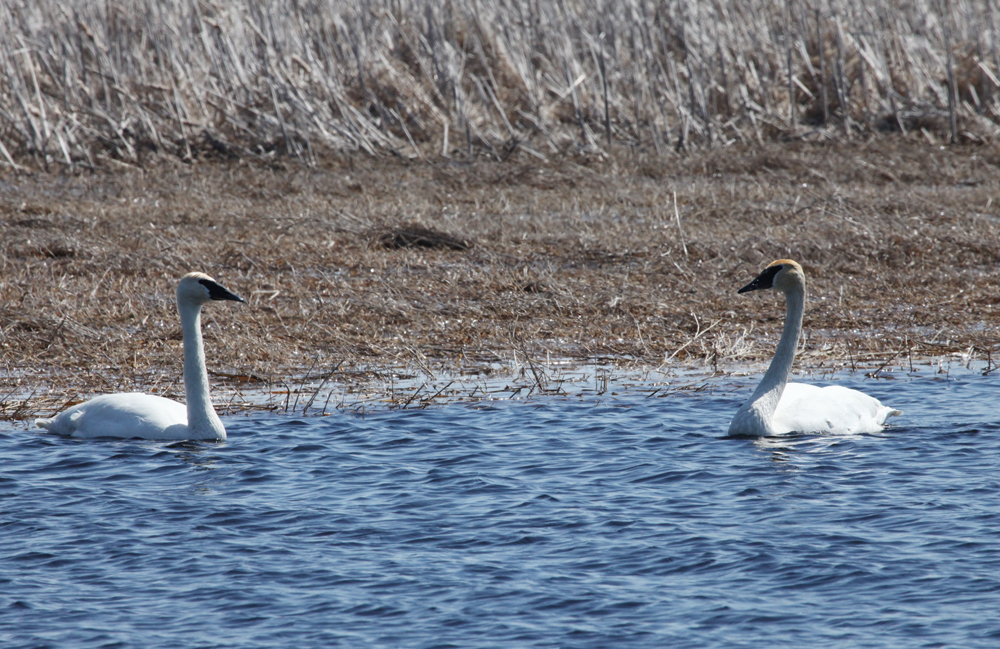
<point>417,189</point>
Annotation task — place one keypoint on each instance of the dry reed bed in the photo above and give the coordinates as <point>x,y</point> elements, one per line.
<point>382,267</point>
<point>81,81</point>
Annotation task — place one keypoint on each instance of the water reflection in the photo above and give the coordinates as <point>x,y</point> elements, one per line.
<point>788,449</point>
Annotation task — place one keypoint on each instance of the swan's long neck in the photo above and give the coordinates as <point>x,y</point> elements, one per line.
<point>767,395</point>
<point>201,414</point>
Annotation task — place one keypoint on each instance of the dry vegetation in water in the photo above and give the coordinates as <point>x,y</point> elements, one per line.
<point>465,266</point>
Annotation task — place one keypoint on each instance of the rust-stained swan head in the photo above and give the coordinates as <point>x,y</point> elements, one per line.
<point>783,275</point>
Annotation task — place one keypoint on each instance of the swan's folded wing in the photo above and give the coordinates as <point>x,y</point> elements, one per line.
<point>834,409</point>
<point>121,415</point>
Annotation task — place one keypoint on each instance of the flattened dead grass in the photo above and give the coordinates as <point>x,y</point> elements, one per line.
<point>581,257</point>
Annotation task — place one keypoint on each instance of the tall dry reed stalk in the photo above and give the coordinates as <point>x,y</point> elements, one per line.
<point>82,80</point>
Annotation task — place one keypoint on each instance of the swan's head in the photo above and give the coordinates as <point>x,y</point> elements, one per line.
<point>783,275</point>
<point>199,288</point>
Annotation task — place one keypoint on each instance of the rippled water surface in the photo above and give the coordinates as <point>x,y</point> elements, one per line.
<point>553,522</point>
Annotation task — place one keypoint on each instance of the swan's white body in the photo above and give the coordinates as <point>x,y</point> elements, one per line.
<point>148,416</point>
<point>778,407</point>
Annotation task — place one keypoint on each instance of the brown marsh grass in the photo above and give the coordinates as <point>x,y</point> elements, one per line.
<point>411,188</point>
<point>387,266</point>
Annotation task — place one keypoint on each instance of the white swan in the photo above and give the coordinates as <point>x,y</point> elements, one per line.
<point>148,416</point>
<point>780,408</point>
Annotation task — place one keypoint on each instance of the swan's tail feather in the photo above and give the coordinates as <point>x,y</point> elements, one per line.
<point>887,412</point>
<point>44,423</point>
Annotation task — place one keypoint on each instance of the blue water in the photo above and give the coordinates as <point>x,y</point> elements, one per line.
<point>550,522</point>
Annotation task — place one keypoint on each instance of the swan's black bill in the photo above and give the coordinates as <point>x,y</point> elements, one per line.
<point>763,281</point>
<point>217,291</point>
